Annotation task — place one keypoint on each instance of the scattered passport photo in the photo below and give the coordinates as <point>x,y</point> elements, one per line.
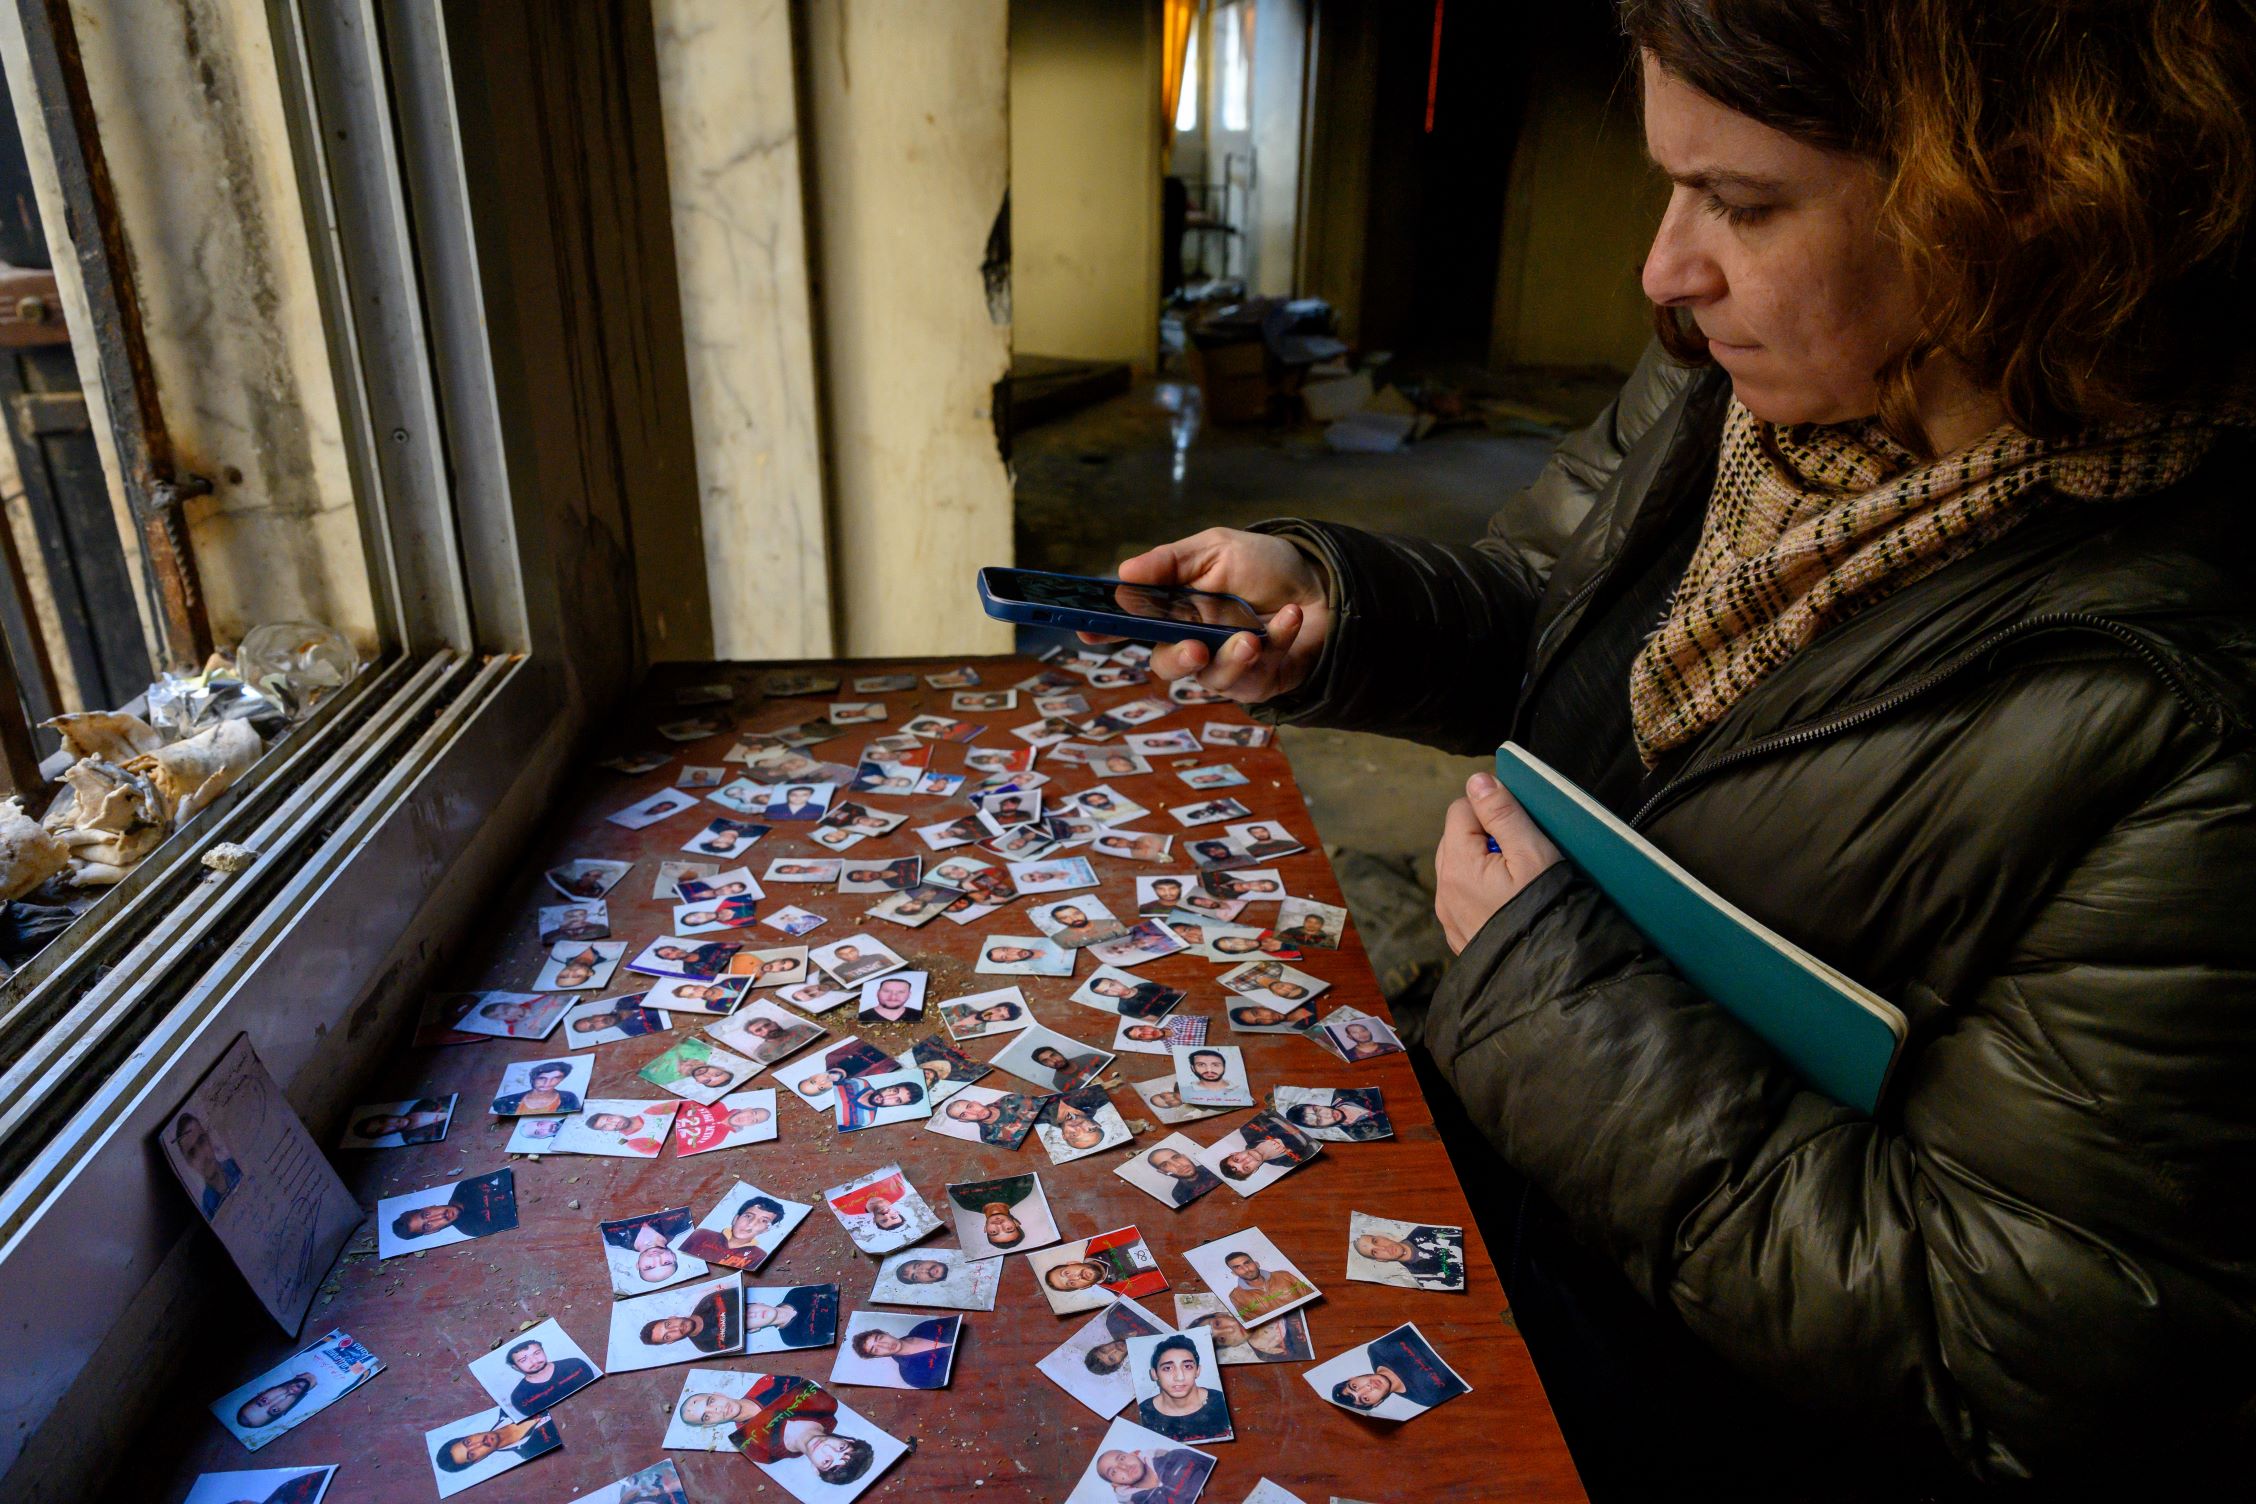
<point>296,1389</point>
<point>1396,1377</point>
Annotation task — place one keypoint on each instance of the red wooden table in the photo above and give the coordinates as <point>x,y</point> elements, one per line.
<point>1000,1430</point>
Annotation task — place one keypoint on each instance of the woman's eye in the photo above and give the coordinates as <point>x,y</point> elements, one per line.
<point>1737,214</point>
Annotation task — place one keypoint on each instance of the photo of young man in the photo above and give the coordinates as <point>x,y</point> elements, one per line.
<point>784,1423</point>
<point>619,1128</point>
<point>1086,1275</point>
<point>856,959</point>
<point>800,870</point>
<point>673,1326</point>
<point>985,1013</point>
<point>612,1020</point>
<point>1259,1291</point>
<point>739,1118</point>
<point>727,837</point>
<point>1254,1279</point>
<point>983,1115</point>
<point>1395,1377</point>
<point>1136,1465</point>
<point>1414,1255</point>
<point>897,1352</point>
<point>1053,1062</point>
<point>1076,923</point>
<point>1363,1039</point>
<point>1092,1364</point>
<point>504,1015</point>
<point>744,1229</point>
<point>1024,955</point>
<point>535,1370</point>
<point>642,1250</point>
<point>1009,1215</point>
<point>783,1318</point>
<point>942,1277</point>
<point>1259,1154</point>
<point>646,812</point>
<point>1179,1387</point>
<point>879,1098</point>
<point>393,1125</point>
<point>1212,1076</point>
<point>470,1452</point>
<point>1079,1123</point>
<point>296,1389</point>
<point>764,1033</point>
<point>584,878</point>
<point>946,835</point>
<point>1284,1340</point>
<point>1164,1096</point>
<point>881,1211</point>
<point>574,965</point>
<point>1239,941</point>
<point>692,960</point>
<point>473,1208</point>
<point>1268,980</point>
<point>893,999</point>
<point>1159,896</point>
<point>800,801</point>
<point>1340,1115</point>
<point>1168,1172</point>
<point>1305,922</point>
<point>698,1070</point>
<point>579,921</point>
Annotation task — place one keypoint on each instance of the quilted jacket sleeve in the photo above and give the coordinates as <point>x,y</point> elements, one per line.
<point>2043,1254</point>
<point>1410,615</point>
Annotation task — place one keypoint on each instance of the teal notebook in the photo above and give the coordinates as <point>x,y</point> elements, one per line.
<point>1842,1037</point>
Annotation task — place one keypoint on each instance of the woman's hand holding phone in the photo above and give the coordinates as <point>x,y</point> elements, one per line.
<point>1271,575</point>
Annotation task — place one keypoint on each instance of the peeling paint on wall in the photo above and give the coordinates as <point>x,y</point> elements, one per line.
<point>192,123</point>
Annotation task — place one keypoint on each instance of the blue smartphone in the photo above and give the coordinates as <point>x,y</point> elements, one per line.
<point>1114,608</point>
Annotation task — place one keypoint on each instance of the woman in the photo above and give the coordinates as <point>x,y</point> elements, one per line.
<point>1937,499</point>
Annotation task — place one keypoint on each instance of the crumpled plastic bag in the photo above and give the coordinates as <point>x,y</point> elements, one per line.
<point>296,664</point>
<point>29,852</point>
<point>118,810</point>
<point>180,705</point>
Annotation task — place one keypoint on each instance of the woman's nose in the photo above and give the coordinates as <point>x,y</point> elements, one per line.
<point>1678,270</point>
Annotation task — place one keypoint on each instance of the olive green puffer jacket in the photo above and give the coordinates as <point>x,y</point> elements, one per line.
<point>2019,798</point>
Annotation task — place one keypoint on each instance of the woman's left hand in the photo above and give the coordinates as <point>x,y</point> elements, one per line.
<point>1473,882</point>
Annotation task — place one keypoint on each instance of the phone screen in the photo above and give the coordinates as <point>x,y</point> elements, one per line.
<point>1153,602</point>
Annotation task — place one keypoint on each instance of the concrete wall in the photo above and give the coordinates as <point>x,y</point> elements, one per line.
<point>1280,57</point>
<point>734,168</point>
<point>1336,201</point>
<point>1578,217</point>
<point>909,120</point>
<point>1084,178</point>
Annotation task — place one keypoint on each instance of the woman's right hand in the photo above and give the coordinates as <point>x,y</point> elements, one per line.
<point>1269,574</point>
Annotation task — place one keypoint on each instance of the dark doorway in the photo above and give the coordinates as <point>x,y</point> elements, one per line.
<point>1445,119</point>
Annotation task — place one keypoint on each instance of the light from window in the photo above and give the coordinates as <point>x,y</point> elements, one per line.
<point>1186,104</point>
<point>1233,74</point>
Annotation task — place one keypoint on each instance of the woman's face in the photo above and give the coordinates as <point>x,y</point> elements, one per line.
<point>1773,246</point>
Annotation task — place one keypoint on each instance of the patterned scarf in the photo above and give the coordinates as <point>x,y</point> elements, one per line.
<point>1809,524</point>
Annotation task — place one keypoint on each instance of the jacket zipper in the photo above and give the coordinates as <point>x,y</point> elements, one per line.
<point>1872,710</point>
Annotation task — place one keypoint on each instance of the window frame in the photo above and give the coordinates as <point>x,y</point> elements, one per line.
<point>397,809</point>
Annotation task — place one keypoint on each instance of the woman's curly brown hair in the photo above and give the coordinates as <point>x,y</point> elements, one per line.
<point>2071,181</point>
